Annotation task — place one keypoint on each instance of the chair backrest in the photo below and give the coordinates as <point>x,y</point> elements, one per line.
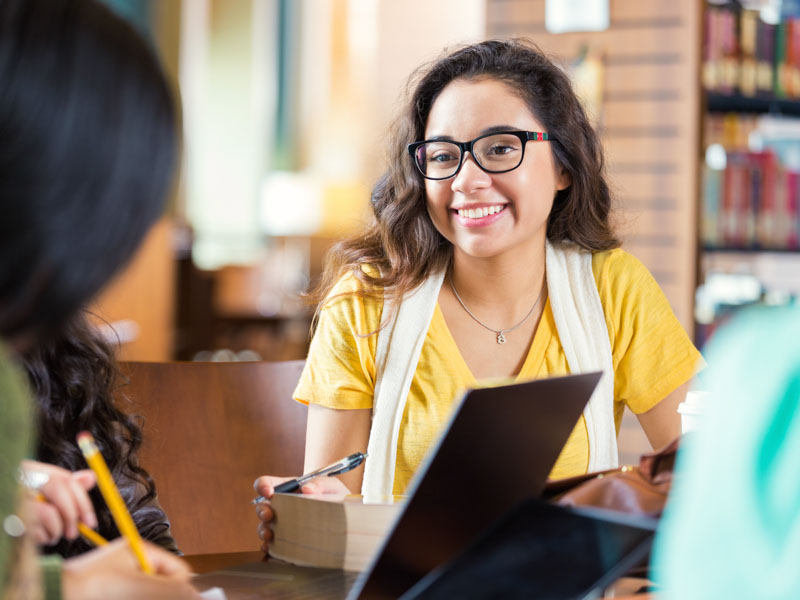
<point>209,430</point>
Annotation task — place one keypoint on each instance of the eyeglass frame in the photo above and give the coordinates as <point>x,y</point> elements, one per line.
<point>464,147</point>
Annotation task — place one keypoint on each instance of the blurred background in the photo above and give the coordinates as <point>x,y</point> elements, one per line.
<point>286,106</point>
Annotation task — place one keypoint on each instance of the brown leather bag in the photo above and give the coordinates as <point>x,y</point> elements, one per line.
<point>641,490</point>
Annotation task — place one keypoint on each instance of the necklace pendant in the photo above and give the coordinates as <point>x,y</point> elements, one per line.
<point>501,339</point>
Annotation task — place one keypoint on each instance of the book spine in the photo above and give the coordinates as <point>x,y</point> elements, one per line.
<point>766,57</point>
<point>710,48</point>
<point>748,26</point>
<point>794,59</point>
<point>791,235</point>
<point>729,76</point>
<point>765,235</point>
<point>712,189</point>
<point>781,69</point>
<point>752,205</point>
<point>731,201</point>
<point>781,212</point>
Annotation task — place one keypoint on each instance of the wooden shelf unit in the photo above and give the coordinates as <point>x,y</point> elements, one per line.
<point>727,103</point>
<point>776,268</point>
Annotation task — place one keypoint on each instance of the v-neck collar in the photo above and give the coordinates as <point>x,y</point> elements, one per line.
<point>531,366</point>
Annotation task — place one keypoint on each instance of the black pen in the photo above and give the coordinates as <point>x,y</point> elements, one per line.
<point>342,466</point>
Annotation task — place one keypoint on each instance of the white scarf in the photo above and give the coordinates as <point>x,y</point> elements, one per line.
<point>581,326</point>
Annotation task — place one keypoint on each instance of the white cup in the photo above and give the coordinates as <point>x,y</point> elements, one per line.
<point>693,409</point>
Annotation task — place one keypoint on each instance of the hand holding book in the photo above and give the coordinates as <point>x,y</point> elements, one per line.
<point>330,530</point>
<point>265,486</point>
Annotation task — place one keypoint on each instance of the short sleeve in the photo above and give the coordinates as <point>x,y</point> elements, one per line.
<point>340,368</point>
<point>652,353</point>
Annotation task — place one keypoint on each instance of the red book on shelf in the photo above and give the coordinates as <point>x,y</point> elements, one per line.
<point>712,196</point>
<point>734,188</point>
<point>780,229</point>
<point>793,58</point>
<point>766,211</point>
<point>711,49</point>
<point>791,230</point>
<point>751,200</point>
<point>729,79</point>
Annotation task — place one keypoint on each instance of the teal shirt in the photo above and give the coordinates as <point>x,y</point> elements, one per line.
<point>16,441</point>
<point>732,526</point>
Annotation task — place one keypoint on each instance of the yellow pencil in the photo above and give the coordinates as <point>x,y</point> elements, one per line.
<point>86,531</point>
<point>91,535</point>
<point>113,499</point>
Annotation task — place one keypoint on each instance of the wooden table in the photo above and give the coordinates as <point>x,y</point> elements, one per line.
<point>624,589</point>
<point>205,563</point>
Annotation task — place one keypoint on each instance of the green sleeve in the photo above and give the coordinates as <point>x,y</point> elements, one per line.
<point>15,444</point>
<point>50,566</point>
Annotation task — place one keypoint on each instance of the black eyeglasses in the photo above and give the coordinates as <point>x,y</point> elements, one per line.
<point>498,152</point>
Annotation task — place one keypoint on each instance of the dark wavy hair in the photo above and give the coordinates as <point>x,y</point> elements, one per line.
<point>76,384</point>
<point>403,243</point>
<point>87,150</point>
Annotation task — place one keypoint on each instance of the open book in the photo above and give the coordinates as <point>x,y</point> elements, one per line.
<point>326,530</point>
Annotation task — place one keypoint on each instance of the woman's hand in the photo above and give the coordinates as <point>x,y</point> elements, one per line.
<point>265,486</point>
<point>67,502</point>
<point>112,572</point>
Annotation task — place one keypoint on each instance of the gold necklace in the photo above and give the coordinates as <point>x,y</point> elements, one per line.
<point>501,338</point>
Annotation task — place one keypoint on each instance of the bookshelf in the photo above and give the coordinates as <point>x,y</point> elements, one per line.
<point>737,103</point>
<point>747,251</point>
<point>749,209</point>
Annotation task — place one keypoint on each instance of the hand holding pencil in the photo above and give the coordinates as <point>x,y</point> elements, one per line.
<point>113,573</point>
<point>160,575</point>
<point>124,569</point>
<point>67,510</point>
<point>89,534</point>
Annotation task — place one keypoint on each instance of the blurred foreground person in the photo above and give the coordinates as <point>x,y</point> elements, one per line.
<point>732,526</point>
<point>87,147</point>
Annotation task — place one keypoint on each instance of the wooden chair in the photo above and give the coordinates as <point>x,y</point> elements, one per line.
<point>209,430</point>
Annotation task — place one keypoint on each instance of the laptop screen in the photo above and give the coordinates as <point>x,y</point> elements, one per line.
<point>497,450</point>
<point>543,551</point>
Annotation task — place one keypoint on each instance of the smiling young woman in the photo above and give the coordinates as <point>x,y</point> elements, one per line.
<point>494,210</point>
<point>466,109</point>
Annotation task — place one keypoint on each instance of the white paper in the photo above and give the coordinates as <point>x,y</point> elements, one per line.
<point>562,16</point>
<point>215,593</point>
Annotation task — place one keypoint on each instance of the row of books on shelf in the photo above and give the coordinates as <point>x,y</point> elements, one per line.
<point>751,203</point>
<point>744,54</point>
<point>731,130</point>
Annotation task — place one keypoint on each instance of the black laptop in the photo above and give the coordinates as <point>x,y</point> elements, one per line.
<point>543,551</point>
<point>497,450</point>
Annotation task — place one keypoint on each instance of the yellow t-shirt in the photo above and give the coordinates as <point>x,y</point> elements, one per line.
<point>651,352</point>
